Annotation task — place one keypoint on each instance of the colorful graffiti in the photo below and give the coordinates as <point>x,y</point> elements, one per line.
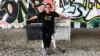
<point>80,10</point>
<point>12,13</point>
<point>37,6</point>
<point>85,11</point>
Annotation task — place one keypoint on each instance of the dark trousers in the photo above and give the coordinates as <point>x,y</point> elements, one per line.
<point>47,33</point>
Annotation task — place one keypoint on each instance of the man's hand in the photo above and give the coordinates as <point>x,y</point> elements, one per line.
<point>32,18</point>
<point>69,17</point>
<point>61,16</point>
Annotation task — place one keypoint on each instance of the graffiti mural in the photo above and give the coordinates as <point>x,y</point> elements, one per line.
<point>12,13</point>
<point>87,11</point>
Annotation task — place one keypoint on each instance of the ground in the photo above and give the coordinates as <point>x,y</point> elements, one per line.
<point>84,42</point>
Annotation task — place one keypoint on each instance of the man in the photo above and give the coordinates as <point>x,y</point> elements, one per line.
<point>47,17</point>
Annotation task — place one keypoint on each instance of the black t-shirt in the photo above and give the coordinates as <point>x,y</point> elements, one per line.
<point>47,19</point>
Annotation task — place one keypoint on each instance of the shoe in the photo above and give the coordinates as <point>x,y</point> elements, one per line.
<point>43,51</point>
<point>49,51</point>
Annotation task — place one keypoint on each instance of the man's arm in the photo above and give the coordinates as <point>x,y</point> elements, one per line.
<point>36,16</point>
<point>61,16</point>
<point>32,18</point>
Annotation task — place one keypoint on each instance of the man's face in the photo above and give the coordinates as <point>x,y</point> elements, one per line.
<point>48,8</point>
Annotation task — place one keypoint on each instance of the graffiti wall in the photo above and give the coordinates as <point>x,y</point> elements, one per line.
<point>12,13</point>
<point>84,13</point>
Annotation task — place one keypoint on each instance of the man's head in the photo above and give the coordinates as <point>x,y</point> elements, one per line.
<point>48,7</point>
